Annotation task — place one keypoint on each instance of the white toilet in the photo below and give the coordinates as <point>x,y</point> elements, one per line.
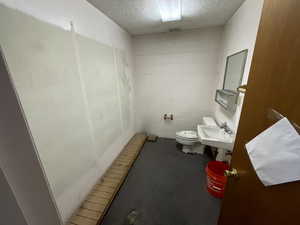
<point>189,138</point>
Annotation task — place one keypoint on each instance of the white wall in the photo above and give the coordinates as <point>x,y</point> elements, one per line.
<point>175,73</point>
<point>239,34</point>
<point>10,210</point>
<point>24,177</point>
<point>88,22</point>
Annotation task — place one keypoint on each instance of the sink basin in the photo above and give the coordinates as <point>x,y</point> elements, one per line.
<point>215,137</point>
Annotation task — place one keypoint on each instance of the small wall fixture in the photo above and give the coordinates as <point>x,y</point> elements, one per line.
<point>168,117</point>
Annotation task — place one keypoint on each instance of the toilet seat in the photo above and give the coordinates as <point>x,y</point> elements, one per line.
<point>187,135</point>
<point>190,142</point>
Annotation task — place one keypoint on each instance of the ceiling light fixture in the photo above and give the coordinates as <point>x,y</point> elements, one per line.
<point>170,10</point>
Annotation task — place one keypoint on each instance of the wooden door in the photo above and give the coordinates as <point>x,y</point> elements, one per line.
<point>274,83</point>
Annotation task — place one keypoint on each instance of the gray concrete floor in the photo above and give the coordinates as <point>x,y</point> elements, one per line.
<point>165,187</point>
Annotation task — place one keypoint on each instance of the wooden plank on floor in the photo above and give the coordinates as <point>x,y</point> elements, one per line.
<point>79,220</point>
<point>118,171</point>
<point>98,201</point>
<point>97,207</point>
<point>120,164</point>
<point>109,179</point>
<point>104,189</point>
<point>116,176</point>
<point>100,194</point>
<point>107,183</point>
<point>89,214</point>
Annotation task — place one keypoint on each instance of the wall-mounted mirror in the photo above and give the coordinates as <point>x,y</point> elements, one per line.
<point>235,65</point>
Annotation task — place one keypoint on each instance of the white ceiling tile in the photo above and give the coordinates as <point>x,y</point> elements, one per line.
<point>143,16</point>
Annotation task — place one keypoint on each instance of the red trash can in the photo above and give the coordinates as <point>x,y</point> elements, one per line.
<point>216,180</point>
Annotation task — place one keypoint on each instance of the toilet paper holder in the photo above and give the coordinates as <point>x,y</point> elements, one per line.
<point>275,116</point>
<point>170,117</point>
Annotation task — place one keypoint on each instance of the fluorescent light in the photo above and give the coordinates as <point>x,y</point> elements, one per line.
<point>170,10</point>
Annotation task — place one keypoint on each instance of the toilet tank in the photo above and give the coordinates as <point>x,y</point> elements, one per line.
<point>209,121</point>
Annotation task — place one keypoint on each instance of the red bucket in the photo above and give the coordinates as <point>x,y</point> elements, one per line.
<point>216,180</point>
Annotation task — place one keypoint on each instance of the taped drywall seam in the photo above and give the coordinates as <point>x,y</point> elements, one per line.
<point>116,60</point>
<point>83,88</point>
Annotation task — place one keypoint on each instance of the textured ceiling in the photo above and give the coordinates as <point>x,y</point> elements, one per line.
<point>143,16</point>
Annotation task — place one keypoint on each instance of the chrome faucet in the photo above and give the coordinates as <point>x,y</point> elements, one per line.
<point>226,128</point>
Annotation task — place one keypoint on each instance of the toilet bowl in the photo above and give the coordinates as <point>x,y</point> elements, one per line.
<point>190,141</point>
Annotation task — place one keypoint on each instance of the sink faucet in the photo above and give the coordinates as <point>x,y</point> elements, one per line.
<point>226,128</point>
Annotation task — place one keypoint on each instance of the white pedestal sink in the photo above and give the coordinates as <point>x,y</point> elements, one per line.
<point>216,137</point>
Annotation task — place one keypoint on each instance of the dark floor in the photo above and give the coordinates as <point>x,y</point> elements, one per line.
<point>165,187</point>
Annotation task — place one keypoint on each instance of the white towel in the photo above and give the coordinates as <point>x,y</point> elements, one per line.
<point>275,154</point>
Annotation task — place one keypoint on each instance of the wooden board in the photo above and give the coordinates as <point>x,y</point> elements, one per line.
<point>96,204</point>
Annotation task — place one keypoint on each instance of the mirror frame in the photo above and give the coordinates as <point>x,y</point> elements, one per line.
<point>243,69</point>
